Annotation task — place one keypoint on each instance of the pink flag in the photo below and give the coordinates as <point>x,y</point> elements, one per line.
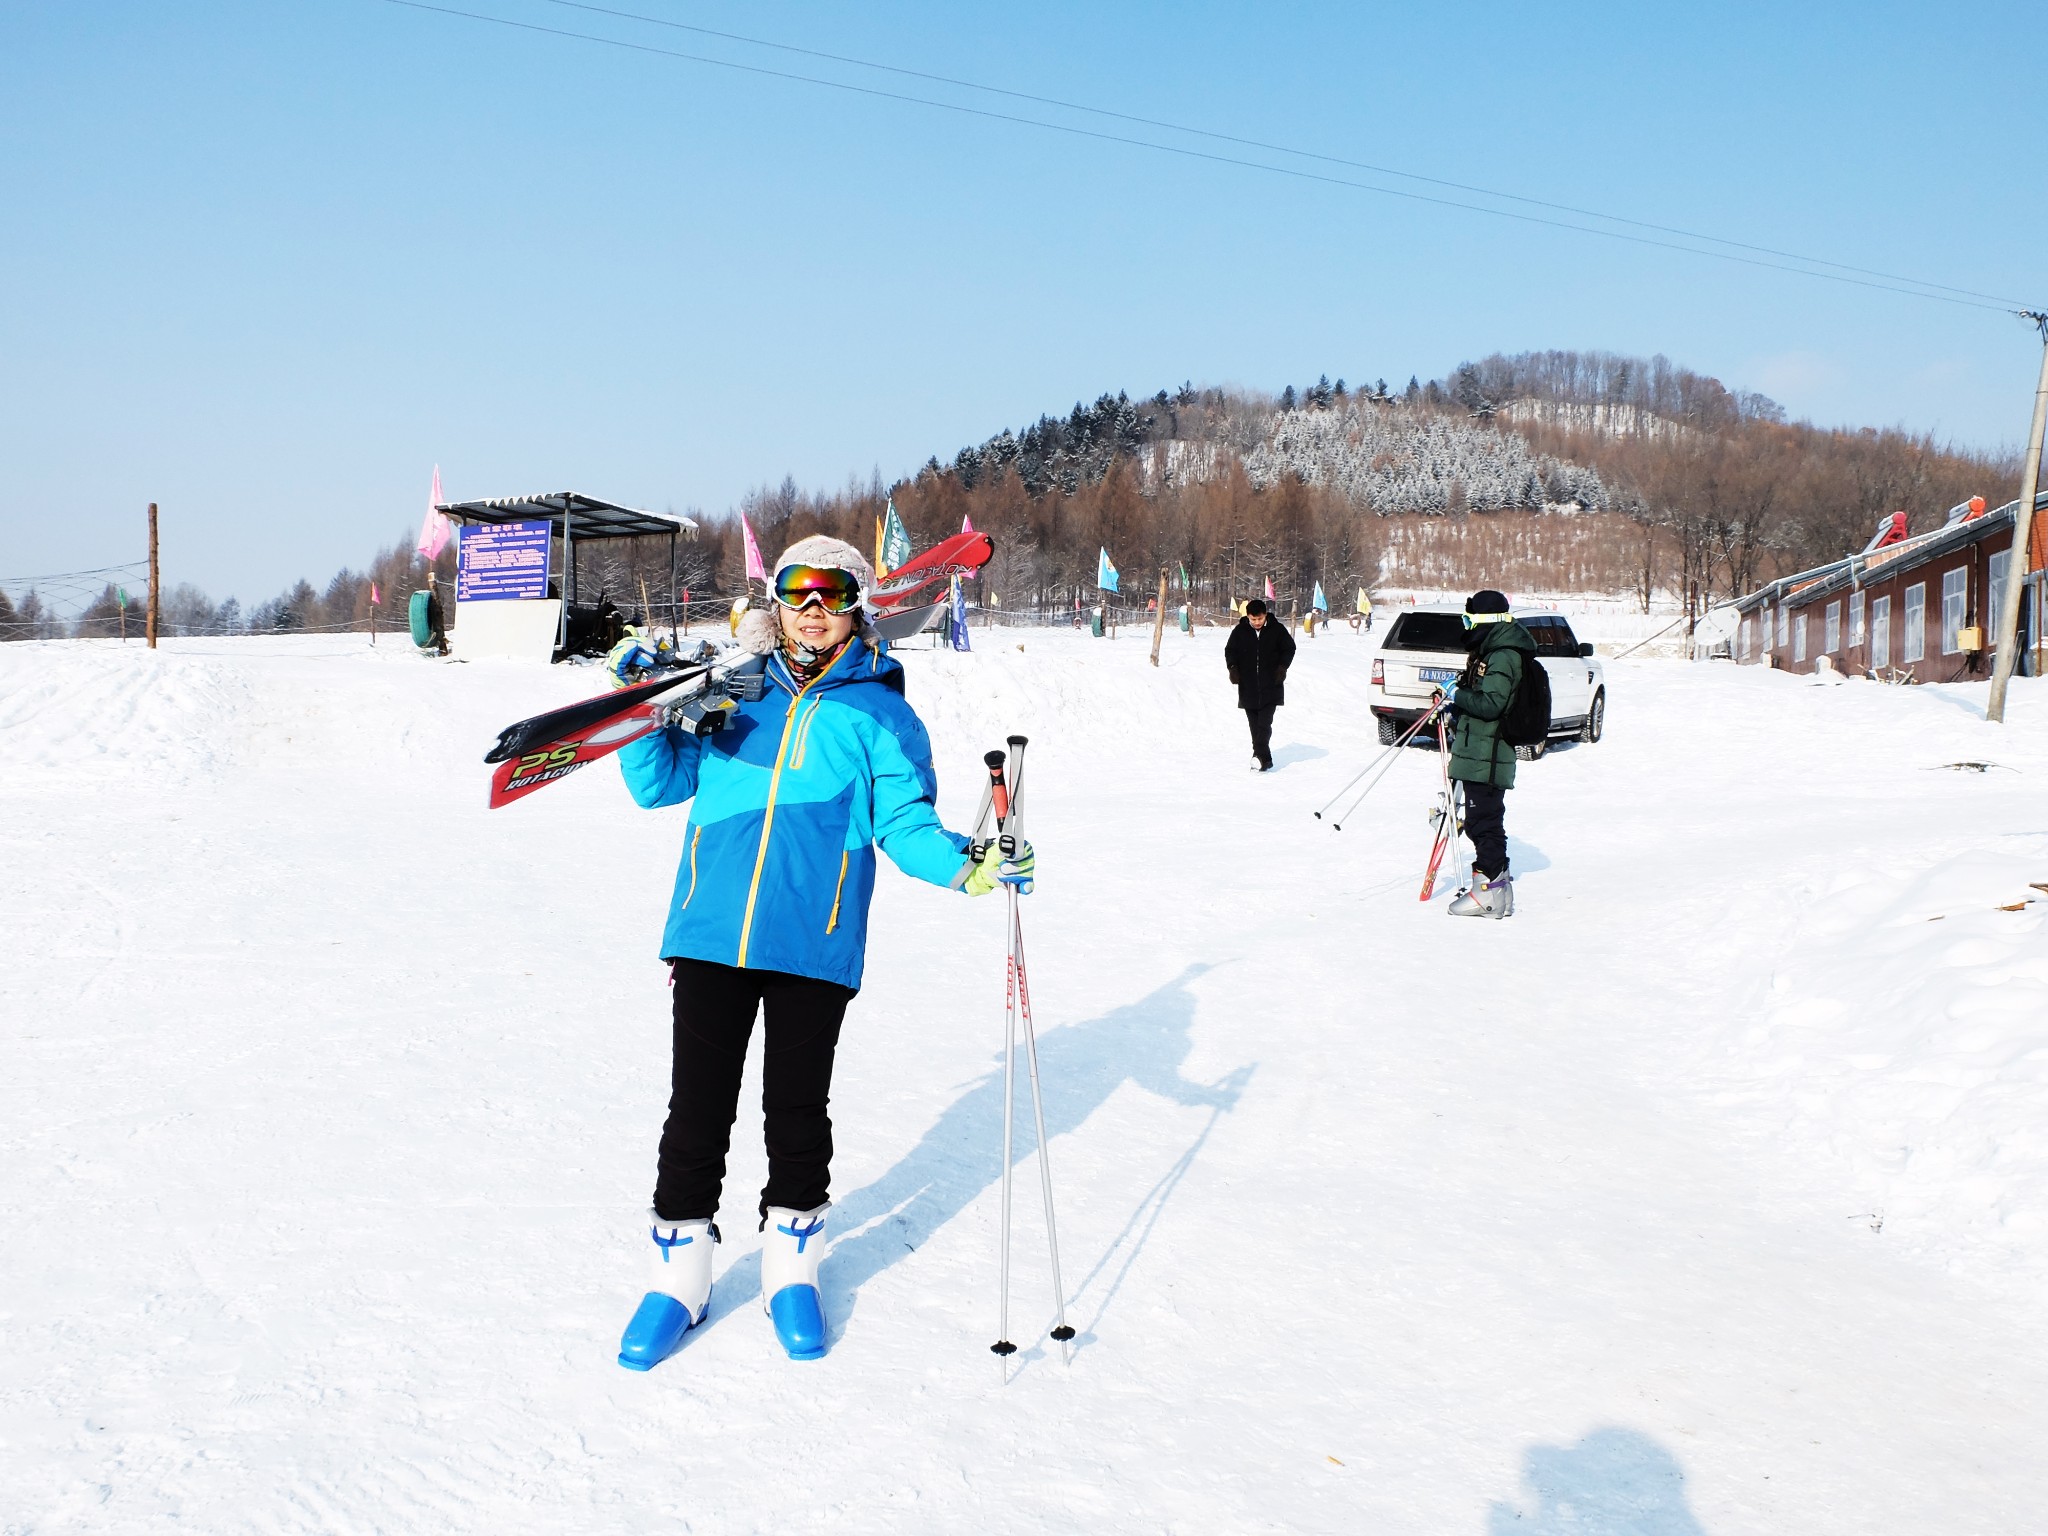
<point>967,525</point>
<point>1269,589</point>
<point>374,598</point>
<point>754,566</point>
<point>434,531</point>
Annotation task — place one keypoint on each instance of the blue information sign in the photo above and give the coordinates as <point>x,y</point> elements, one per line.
<point>499,560</point>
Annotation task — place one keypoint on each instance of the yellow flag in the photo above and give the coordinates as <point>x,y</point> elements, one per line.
<point>1364,602</point>
<point>881,565</point>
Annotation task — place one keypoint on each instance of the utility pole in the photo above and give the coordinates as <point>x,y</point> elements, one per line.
<point>152,576</point>
<point>2022,530</point>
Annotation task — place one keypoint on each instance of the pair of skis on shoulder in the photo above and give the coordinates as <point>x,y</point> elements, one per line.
<point>533,753</point>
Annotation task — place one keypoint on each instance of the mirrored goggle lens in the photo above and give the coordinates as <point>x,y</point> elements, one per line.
<point>801,585</point>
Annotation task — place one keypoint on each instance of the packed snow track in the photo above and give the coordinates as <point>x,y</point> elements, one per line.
<point>1707,1194</point>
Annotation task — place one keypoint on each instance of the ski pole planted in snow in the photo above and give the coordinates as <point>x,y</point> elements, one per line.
<point>1003,801</point>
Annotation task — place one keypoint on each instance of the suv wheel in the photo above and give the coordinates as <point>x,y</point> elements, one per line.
<point>1389,732</point>
<point>1596,717</point>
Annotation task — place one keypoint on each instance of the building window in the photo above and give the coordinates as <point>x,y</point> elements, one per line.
<point>1856,619</point>
<point>1743,642</point>
<point>1784,628</point>
<point>1913,643</point>
<point>1880,633</point>
<point>1799,638</point>
<point>1955,596</point>
<point>1834,629</point>
<point>1994,604</point>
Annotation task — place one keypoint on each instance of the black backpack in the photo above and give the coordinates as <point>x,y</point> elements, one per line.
<point>1526,720</point>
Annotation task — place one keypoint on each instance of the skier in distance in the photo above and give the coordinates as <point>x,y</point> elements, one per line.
<point>770,915</point>
<point>1257,655</point>
<point>1501,650</point>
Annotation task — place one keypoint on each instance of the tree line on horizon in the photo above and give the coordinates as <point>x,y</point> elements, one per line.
<point>1556,471</point>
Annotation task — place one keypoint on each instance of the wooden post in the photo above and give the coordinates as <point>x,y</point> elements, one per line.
<point>1159,622</point>
<point>2016,572</point>
<point>152,579</point>
<point>646,608</point>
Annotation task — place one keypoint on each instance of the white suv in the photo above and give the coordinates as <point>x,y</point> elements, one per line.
<point>1424,650</point>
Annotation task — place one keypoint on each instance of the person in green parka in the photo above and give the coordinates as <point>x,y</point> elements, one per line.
<point>1501,651</point>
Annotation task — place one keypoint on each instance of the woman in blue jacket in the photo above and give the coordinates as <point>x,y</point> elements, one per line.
<point>770,916</point>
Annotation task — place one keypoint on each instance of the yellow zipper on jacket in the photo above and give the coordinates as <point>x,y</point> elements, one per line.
<point>838,890</point>
<point>696,836</point>
<point>789,729</point>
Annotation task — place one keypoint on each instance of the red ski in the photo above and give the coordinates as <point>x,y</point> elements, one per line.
<point>1446,816</point>
<point>535,752</point>
<point>961,555</point>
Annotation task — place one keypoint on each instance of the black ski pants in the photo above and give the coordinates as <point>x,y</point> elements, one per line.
<point>1261,721</point>
<point>714,1017</point>
<point>1486,813</point>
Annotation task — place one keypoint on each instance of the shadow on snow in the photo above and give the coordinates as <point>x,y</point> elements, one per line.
<point>1614,1482</point>
<point>958,1157</point>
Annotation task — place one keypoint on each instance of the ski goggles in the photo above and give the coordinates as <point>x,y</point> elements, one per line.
<point>799,586</point>
<point>1474,620</point>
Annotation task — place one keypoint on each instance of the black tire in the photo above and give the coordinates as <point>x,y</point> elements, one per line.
<point>1596,718</point>
<point>1389,732</point>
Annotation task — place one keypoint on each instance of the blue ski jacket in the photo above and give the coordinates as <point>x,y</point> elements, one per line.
<point>791,798</point>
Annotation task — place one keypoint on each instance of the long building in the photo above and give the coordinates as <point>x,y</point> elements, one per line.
<point>1922,609</point>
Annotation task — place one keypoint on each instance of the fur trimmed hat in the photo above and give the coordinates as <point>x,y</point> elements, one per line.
<point>833,554</point>
<point>760,630</point>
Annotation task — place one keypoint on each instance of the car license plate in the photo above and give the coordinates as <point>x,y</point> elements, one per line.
<point>1437,674</point>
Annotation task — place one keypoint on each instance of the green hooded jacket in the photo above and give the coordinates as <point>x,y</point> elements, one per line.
<point>1478,755</point>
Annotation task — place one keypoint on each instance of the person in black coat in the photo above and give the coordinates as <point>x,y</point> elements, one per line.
<point>1257,654</point>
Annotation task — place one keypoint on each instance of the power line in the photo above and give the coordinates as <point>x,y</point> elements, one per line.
<point>1922,291</point>
<point>1281,149</point>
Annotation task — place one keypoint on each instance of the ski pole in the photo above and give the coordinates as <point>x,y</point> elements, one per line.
<point>996,802</point>
<point>1061,1329</point>
<point>1014,840</point>
<point>1388,752</point>
<point>1385,762</point>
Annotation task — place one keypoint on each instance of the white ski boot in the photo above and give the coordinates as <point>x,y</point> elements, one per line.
<point>794,1243</point>
<point>678,1291</point>
<point>1493,898</point>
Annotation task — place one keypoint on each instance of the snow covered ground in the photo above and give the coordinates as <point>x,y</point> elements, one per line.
<point>1709,1194</point>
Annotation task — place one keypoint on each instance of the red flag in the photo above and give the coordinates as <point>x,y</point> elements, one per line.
<point>754,566</point>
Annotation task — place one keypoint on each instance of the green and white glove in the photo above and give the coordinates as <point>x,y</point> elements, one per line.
<point>992,870</point>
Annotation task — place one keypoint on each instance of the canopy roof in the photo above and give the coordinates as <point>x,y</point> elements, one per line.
<point>586,517</point>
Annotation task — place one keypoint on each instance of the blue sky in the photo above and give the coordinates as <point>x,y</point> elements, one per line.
<point>267,263</point>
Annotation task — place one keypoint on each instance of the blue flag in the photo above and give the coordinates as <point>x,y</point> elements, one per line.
<point>1320,603</point>
<point>958,628</point>
<point>1105,573</point>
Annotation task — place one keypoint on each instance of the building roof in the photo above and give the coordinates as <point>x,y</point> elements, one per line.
<point>586,517</point>
<point>1858,569</point>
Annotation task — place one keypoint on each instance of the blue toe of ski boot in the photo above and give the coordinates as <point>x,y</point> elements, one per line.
<point>799,1318</point>
<point>657,1328</point>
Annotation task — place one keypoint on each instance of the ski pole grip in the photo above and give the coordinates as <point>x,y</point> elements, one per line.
<point>999,791</point>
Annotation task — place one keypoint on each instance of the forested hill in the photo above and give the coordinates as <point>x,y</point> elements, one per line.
<point>1554,471</point>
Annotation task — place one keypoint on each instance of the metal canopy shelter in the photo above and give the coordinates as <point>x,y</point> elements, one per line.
<point>576,517</point>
